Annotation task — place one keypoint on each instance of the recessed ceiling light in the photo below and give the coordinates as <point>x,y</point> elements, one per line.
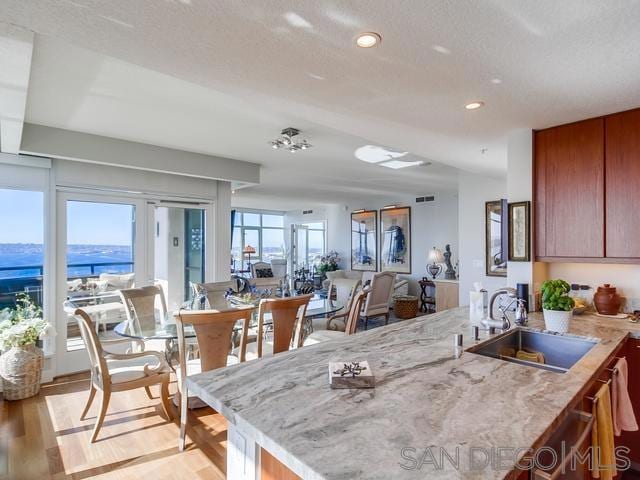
<point>368,39</point>
<point>496,81</point>
<point>474,105</point>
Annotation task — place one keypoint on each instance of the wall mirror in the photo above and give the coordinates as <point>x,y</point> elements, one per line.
<point>497,238</point>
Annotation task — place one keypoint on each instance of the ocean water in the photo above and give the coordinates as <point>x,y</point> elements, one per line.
<point>30,255</point>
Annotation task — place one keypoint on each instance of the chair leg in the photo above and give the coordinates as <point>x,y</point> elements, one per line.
<point>386,318</point>
<point>148,390</point>
<point>164,397</point>
<point>184,404</point>
<point>366,322</point>
<point>104,404</point>
<point>92,394</point>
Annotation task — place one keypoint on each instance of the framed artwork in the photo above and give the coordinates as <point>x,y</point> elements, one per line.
<point>364,240</point>
<point>496,243</point>
<point>519,232</point>
<point>395,239</point>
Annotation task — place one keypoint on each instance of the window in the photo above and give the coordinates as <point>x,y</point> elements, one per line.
<point>21,245</point>
<point>315,241</point>
<point>262,231</point>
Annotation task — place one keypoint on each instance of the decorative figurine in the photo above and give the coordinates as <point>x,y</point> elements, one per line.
<point>450,273</point>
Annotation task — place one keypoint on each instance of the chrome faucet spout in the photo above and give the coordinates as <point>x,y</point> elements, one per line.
<point>504,323</point>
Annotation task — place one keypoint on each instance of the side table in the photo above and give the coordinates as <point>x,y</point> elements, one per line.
<point>427,295</point>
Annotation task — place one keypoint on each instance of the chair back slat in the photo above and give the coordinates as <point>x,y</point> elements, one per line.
<point>354,312</point>
<point>214,331</point>
<point>99,370</point>
<point>288,316</point>
<point>140,306</point>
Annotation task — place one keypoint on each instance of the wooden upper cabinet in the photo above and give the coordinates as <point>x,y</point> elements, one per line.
<point>569,190</point>
<point>622,133</point>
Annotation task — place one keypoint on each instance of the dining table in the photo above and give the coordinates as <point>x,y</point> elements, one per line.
<point>165,327</point>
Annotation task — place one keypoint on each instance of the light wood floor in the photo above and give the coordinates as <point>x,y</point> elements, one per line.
<point>43,438</point>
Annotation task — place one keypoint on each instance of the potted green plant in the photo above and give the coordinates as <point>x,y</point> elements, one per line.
<point>557,305</point>
<point>328,263</point>
<point>22,361</point>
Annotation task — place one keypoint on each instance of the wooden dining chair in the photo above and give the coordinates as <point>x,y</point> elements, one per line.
<point>114,372</point>
<point>214,331</point>
<point>215,293</point>
<point>351,325</point>
<point>140,305</point>
<point>288,316</point>
<point>345,290</point>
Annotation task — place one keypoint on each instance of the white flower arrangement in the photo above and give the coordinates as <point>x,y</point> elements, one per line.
<point>23,325</point>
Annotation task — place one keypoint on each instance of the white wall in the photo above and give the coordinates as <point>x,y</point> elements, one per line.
<point>519,189</point>
<point>473,192</point>
<point>431,225</point>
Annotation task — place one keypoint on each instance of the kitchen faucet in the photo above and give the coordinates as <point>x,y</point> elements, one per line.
<point>504,323</point>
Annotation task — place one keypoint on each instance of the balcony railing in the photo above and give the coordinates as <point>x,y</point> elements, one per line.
<point>11,286</point>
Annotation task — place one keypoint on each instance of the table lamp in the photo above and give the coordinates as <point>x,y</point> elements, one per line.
<point>435,258</point>
<point>248,250</point>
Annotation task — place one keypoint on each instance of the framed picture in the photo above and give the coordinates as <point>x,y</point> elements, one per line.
<point>519,232</point>
<point>496,244</point>
<point>364,240</point>
<point>395,239</point>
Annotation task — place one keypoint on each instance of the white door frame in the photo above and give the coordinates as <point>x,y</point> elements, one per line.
<point>78,360</point>
<point>143,254</point>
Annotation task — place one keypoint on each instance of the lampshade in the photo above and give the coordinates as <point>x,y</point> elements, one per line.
<point>435,256</point>
<point>249,249</point>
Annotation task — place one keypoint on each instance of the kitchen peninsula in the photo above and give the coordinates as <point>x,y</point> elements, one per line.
<point>427,397</point>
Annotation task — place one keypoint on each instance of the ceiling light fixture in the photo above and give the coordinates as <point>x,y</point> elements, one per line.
<point>474,105</point>
<point>287,141</point>
<point>368,39</point>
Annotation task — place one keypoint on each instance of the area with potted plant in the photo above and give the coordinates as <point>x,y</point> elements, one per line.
<point>557,305</point>
<point>21,362</point>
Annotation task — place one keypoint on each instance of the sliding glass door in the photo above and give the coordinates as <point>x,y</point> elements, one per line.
<point>107,243</point>
<point>100,247</point>
<point>179,250</point>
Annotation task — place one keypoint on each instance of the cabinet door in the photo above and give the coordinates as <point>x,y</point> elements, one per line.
<point>570,190</point>
<point>623,184</point>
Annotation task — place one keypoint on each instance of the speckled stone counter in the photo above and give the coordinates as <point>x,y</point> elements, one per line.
<point>425,398</point>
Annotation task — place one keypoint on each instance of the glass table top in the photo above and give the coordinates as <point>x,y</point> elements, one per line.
<point>165,328</point>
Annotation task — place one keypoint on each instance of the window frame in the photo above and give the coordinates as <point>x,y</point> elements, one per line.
<point>239,224</point>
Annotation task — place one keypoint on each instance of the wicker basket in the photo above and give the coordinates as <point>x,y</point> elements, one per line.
<point>21,372</point>
<point>406,306</point>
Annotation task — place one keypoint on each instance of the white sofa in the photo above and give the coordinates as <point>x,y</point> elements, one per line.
<point>401,286</point>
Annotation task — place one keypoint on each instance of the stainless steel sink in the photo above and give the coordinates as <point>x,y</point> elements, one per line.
<point>560,352</point>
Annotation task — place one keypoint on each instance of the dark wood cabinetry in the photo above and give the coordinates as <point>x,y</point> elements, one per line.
<point>587,190</point>
<point>569,177</point>
<point>623,184</point>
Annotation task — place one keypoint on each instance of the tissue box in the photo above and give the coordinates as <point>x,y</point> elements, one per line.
<point>351,375</point>
<point>476,306</point>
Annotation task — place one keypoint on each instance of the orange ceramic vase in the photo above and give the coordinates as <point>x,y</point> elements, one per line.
<point>607,300</point>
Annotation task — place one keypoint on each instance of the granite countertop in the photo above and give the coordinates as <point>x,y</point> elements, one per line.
<point>425,399</point>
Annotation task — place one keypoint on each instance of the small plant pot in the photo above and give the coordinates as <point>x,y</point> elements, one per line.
<point>557,320</point>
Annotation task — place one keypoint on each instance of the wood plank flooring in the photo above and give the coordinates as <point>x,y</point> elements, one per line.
<point>43,438</point>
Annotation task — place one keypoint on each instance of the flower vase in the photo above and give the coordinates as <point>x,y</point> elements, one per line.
<point>21,371</point>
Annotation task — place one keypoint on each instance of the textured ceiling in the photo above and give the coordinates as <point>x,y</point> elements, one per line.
<point>534,64</point>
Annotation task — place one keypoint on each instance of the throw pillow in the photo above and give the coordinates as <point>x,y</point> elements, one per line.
<point>264,273</point>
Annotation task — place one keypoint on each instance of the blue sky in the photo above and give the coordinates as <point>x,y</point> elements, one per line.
<point>21,216</point>
<point>21,220</point>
